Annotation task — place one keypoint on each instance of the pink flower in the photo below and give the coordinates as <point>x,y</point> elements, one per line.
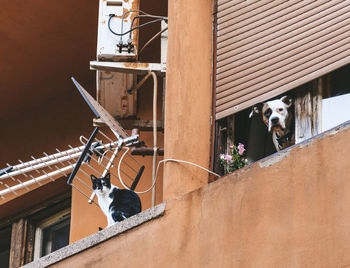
<point>228,158</point>
<point>231,146</point>
<point>241,149</point>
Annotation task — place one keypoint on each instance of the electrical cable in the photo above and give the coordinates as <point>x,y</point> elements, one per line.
<point>156,175</point>
<point>145,16</point>
<point>121,180</point>
<point>155,148</point>
<point>120,161</point>
<point>151,40</point>
<point>132,29</point>
<point>127,12</point>
<point>135,10</point>
<point>186,162</point>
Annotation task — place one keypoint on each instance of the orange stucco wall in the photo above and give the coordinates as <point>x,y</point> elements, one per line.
<point>42,46</point>
<point>86,219</point>
<point>288,210</point>
<point>188,94</point>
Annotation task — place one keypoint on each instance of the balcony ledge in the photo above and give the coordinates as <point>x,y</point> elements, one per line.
<point>98,237</point>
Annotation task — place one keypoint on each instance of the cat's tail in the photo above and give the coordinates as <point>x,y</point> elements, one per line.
<point>137,178</point>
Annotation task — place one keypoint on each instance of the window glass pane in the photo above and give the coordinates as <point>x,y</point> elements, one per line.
<point>5,244</point>
<point>55,236</point>
<point>340,81</point>
<point>60,237</point>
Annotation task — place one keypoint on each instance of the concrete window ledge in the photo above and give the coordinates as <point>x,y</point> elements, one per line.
<point>98,237</point>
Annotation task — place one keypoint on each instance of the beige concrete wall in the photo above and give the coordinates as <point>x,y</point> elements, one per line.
<point>188,94</point>
<point>289,210</point>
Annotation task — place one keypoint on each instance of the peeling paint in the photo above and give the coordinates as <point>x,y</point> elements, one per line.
<point>334,131</point>
<point>274,159</point>
<point>328,133</point>
<point>136,64</point>
<point>278,157</point>
<point>131,5</point>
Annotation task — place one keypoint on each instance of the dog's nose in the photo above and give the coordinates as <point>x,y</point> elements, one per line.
<point>274,120</point>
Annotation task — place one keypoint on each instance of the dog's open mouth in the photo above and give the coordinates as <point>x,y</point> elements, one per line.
<point>278,129</point>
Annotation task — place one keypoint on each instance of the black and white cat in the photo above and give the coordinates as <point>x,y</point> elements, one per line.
<point>117,204</point>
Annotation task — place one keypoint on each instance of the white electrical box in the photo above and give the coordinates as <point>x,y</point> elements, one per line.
<point>117,17</point>
<point>110,45</point>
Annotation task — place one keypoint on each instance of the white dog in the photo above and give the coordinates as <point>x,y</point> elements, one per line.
<point>278,119</point>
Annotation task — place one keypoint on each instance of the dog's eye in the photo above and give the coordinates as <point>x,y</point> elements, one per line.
<point>280,109</point>
<point>268,112</point>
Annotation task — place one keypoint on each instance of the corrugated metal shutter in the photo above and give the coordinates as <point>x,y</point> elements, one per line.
<point>265,48</point>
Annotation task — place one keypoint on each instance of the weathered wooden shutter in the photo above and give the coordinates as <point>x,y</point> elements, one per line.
<point>265,48</point>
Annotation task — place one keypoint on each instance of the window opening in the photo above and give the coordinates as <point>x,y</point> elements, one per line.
<point>336,98</point>
<point>20,240</point>
<point>252,132</point>
<point>52,234</point>
<point>5,246</point>
<point>318,106</point>
<point>339,82</point>
<point>335,110</point>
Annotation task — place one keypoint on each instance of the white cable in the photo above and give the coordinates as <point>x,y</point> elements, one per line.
<point>155,148</point>
<point>121,180</point>
<point>120,161</point>
<point>156,175</point>
<point>155,91</point>
<point>186,162</point>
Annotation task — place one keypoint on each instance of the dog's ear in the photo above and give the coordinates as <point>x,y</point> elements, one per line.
<point>257,108</point>
<point>287,101</point>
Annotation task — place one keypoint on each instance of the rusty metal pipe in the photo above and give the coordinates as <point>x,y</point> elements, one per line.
<point>146,151</point>
<point>143,150</point>
<point>131,90</point>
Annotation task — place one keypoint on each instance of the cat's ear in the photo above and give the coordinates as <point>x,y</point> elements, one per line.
<point>92,177</point>
<point>108,176</point>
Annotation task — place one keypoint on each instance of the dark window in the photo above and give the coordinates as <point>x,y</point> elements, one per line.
<point>55,236</point>
<point>340,81</point>
<point>33,233</point>
<point>5,245</point>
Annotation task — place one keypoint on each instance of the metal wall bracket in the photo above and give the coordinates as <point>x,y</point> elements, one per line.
<point>128,67</point>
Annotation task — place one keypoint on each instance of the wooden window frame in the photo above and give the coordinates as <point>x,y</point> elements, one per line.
<point>24,227</point>
<point>41,226</point>
<point>308,116</point>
